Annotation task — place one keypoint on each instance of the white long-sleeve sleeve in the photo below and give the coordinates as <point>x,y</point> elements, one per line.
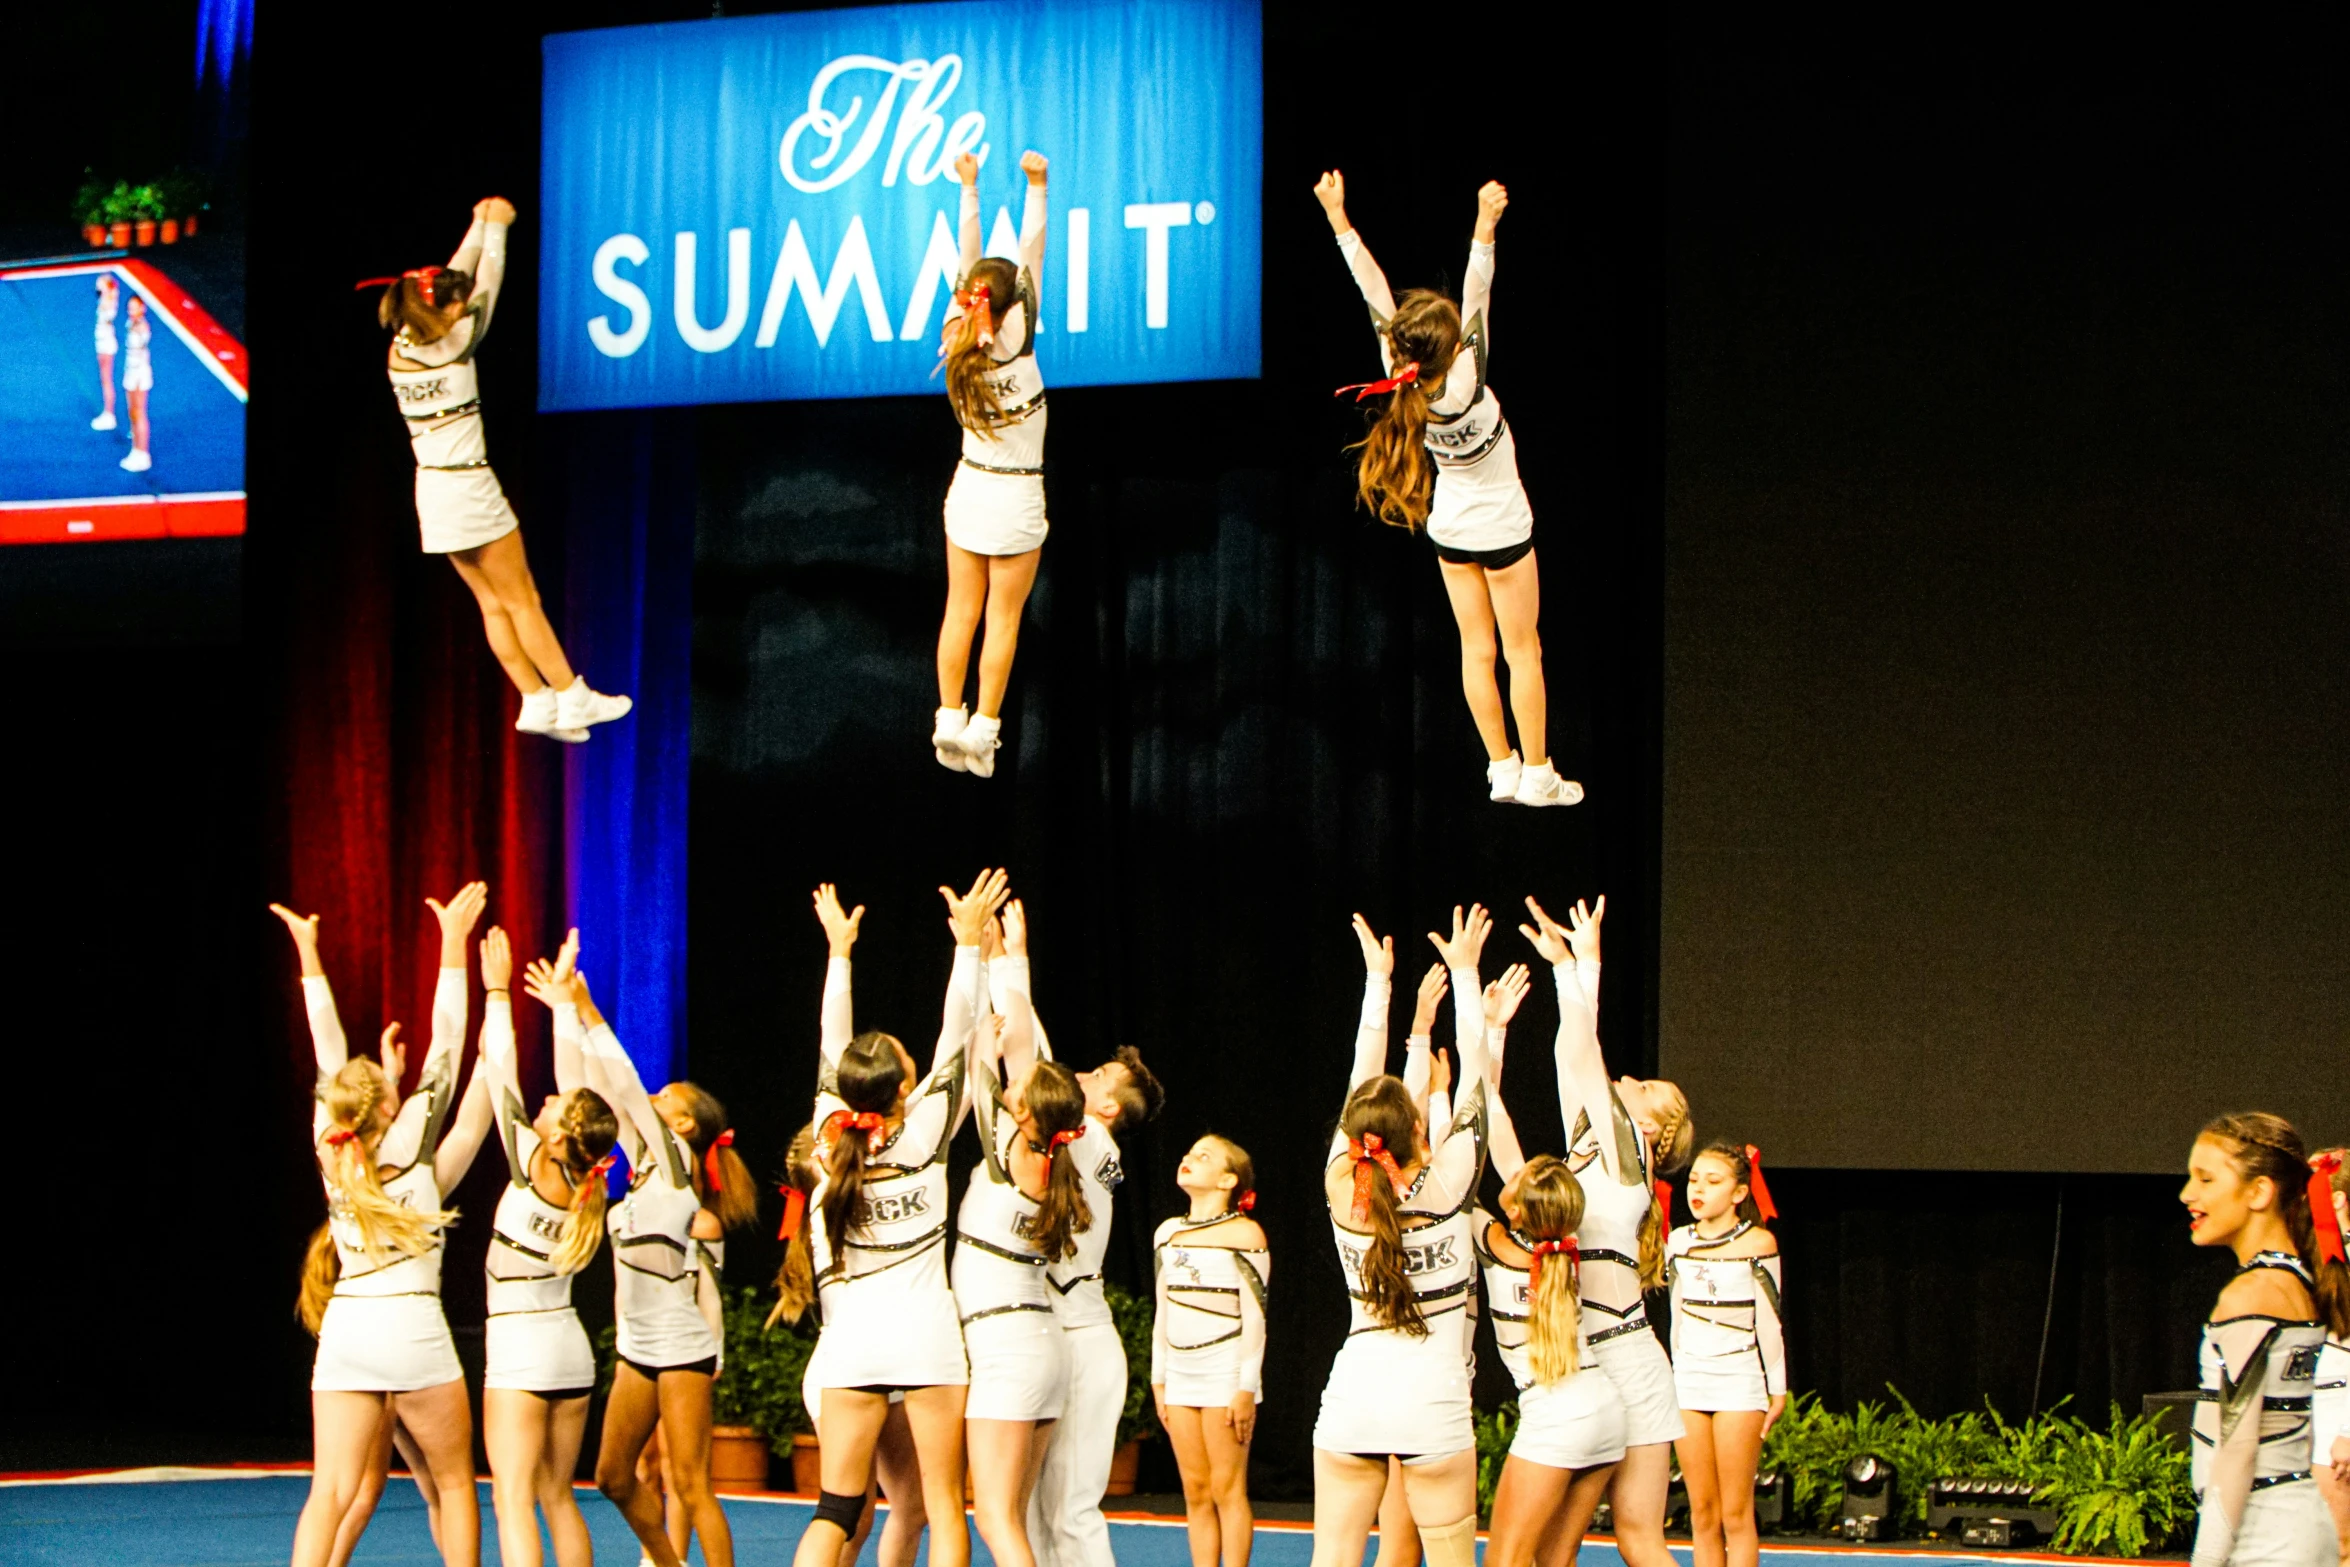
<point>1256,1282</point>
<point>1770,1336</point>
<point>1419,1069</point>
<point>641,1126</point>
<point>1371,281</point>
<point>1582,1069</point>
<point>1502,1135</point>
<point>1477,292</point>
<point>1468,1025</point>
<point>1159,1345</point>
<point>836,1022</point>
<point>1370,1054</point>
<point>967,234</point>
<point>1024,1038</point>
<point>493,1088</point>
<point>571,1068</point>
<point>1032,237</point>
<point>327,1041</point>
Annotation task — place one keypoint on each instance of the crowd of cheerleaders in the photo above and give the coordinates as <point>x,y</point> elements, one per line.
<point>1439,459</point>
<point>1008,1362</point>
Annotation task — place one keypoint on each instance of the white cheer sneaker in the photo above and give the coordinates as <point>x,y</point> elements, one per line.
<point>138,461</point>
<point>1540,784</point>
<point>102,422</point>
<point>577,706</point>
<point>541,715</point>
<point>978,743</point>
<point>944,731</point>
<point>1501,778</point>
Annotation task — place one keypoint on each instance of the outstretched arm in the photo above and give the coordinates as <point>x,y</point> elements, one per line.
<point>1502,999</point>
<point>1582,1069</point>
<point>1032,227</point>
<point>495,1088</point>
<point>1370,1055</point>
<point>1461,953</point>
<point>836,1024</point>
<point>1418,1045</point>
<point>1477,281</point>
<point>1330,190</point>
<point>1008,983</point>
<point>967,213</point>
<point>327,1040</point>
<point>614,1076</point>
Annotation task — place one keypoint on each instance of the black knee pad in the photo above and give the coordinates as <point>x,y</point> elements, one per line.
<point>846,1511</point>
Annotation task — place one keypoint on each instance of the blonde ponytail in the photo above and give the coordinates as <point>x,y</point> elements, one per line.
<point>322,1265</point>
<point>354,1098</point>
<point>1551,1199</point>
<point>590,1130</point>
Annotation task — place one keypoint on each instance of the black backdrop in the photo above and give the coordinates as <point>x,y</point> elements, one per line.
<point>1235,720</point>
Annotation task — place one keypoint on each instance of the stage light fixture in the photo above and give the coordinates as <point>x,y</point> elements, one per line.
<point>1770,1501</point>
<point>1866,1510</point>
<point>1987,1513</point>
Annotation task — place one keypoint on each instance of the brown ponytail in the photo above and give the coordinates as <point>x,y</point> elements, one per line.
<point>871,1072</point>
<point>969,366</point>
<point>1552,1201</point>
<point>406,307</point>
<point>795,1281</point>
<point>590,1131</point>
<point>1057,1105</point>
<point>1396,479</point>
<point>2267,1145</point>
<point>1382,1108</point>
<point>720,1176</point>
<point>322,1265</point>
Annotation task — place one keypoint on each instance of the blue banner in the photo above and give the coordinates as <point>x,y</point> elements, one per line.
<point>764,207</point>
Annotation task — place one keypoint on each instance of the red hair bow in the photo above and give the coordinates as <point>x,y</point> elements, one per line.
<point>1541,1249</point>
<point>343,1134</point>
<point>1755,1186</point>
<point>976,294</point>
<point>710,1166</point>
<point>1664,1201</point>
<point>1362,389</point>
<point>795,1208</point>
<point>841,1120</point>
<point>1058,1141</point>
<point>597,1171</point>
<point>1247,1203</point>
<point>1370,1156</point>
<point>2321,1207</point>
<point>428,277</point>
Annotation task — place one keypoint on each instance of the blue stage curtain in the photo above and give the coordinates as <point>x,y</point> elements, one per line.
<point>626,505</point>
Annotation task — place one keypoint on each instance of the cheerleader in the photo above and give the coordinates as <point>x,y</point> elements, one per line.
<point>1022,1211</point>
<point>877,1241</point>
<point>109,305</point>
<point>2250,1189</point>
<point>1624,1136</point>
<point>138,379</point>
<point>1729,1353</point>
<point>371,1281</point>
<point>1065,1523</point>
<point>995,521</point>
<point>1442,456</point>
<point>679,1148</point>
<point>2329,1410</point>
<point>438,317</point>
<point>1210,1269</point>
<point>1399,1215</point>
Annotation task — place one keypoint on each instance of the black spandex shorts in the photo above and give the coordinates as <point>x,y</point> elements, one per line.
<point>1491,560</point>
<point>707,1366</point>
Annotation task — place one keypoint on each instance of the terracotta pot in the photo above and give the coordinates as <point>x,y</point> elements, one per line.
<point>145,229</point>
<point>1125,1464</point>
<point>169,233</point>
<point>738,1460</point>
<point>188,225</point>
<point>119,235</point>
<point>95,233</point>
<point>807,1465</point>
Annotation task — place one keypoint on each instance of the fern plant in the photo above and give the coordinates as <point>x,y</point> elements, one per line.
<point>1495,1431</point>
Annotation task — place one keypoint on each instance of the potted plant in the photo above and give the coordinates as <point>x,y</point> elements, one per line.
<point>89,205</point>
<point>1138,1419</point>
<point>118,210</point>
<point>756,1400</point>
<point>146,212</point>
<point>183,197</point>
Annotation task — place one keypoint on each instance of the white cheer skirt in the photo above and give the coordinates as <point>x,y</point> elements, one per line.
<point>878,1336</point>
<point>2286,1526</point>
<point>1204,1378</point>
<point>139,374</point>
<point>1636,1364</point>
<point>461,509</point>
<point>538,1352</point>
<point>995,513</point>
<point>1019,1366</point>
<point>383,1344</point>
<point>1392,1394</point>
<point>106,342</point>
<point>1720,1384</point>
<point>1577,1423</point>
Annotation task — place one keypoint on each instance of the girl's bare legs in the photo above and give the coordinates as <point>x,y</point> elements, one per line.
<point>1516,595</point>
<point>1009,579</point>
<point>514,1427</point>
<point>1347,1492</point>
<point>1005,1456</point>
<point>1472,608</point>
<point>685,1438</point>
<point>654,1470</point>
<point>139,420</point>
<point>498,626</point>
<point>2337,1502</point>
<point>629,1417</point>
<point>1737,1447</point>
<point>346,1436</point>
<point>558,1499</point>
<point>1228,1484</point>
<point>1540,1513</point>
<point>966,602</point>
<point>1200,1516</point>
<point>1399,1539</point>
<point>1696,1448</point>
<point>504,569</point>
<point>848,1426</point>
<point>441,1421</point>
<point>106,384</point>
<point>900,1469</point>
<point>1637,1491</point>
<point>371,1490</point>
<point>935,1415</point>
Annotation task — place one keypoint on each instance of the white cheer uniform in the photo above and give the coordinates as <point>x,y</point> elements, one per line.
<point>1576,1422</point>
<point>1479,503</point>
<point>532,1340</point>
<point>2262,1370</point>
<point>888,1316</point>
<point>660,1322</point>
<point>138,369</point>
<point>1208,1328</point>
<point>384,1331</point>
<point>995,506</point>
<point>1729,1350</point>
<point>1617,1199</point>
<point>2329,1408</point>
<point>1019,1363</point>
<point>459,504</point>
<point>108,304</point>
<point>1065,1523</point>
<point>1389,1392</point>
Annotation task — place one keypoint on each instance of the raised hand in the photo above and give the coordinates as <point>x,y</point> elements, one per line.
<point>1433,985</point>
<point>1032,165</point>
<point>840,930</point>
<point>494,209</point>
<point>1504,994</point>
<point>1467,942</point>
<point>1330,191</point>
<point>1583,928</point>
<point>394,1057</point>
<point>1378,952</point>
<point>304,929</point>
<point>1548,935</point>
<point>547,987</point>
<point>458,915</point>
<point>497,960</point>
<point>991,940</point>
<point>966,168</point>
<point>1493,199</point>
<point>968,913</point>
<point>1015,927</point>
<point>589,1016</point>
<point>1440,1074</point>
